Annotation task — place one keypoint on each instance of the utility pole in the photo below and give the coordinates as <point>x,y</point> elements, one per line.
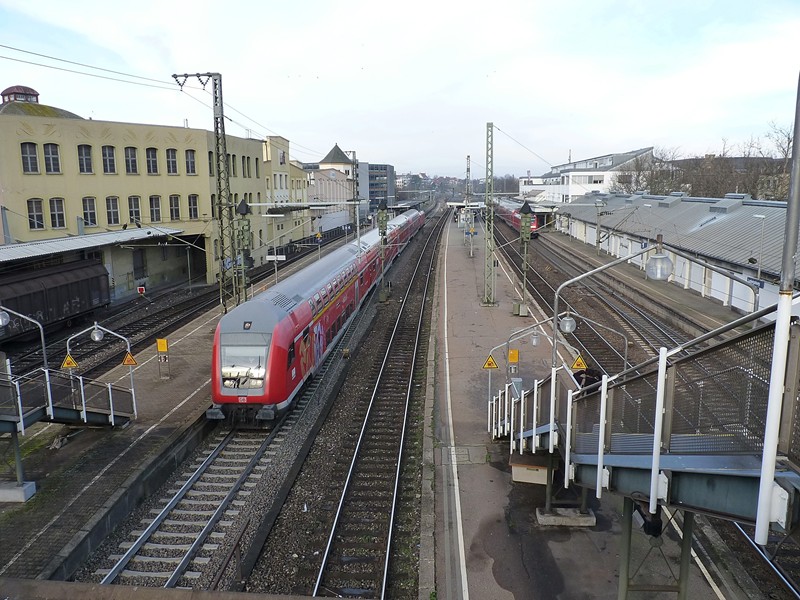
<point>488,271</point>
<point>233,231</point>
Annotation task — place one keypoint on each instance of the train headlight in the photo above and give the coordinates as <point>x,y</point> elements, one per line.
<point>256,383</point>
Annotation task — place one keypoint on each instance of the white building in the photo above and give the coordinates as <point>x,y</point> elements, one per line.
<point>566,182</point>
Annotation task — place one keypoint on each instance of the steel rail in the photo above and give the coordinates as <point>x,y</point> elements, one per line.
<point>435,235</point>
<point>161,517</point>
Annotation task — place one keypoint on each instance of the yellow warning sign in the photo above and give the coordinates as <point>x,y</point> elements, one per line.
<point>161,344</point>
<point>513,355</point>
<point>69,363</point>
<point>490,363</point>
<point>129,361</point>
<point>579,363</point>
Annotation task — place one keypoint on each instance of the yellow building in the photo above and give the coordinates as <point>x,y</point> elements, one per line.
<point>62,175</point>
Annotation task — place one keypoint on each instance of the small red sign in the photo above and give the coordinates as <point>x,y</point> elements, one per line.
<point>140,290</point>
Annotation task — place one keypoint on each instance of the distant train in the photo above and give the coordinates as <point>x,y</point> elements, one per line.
<point>266,348</point>
<point>54,295</point>
<point>508,211</point>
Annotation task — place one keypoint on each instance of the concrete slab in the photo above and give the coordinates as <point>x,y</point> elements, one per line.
<point>12,492</point>
<point>566,517</point>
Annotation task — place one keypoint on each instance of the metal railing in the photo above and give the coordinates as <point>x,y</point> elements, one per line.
<point>52,390</point>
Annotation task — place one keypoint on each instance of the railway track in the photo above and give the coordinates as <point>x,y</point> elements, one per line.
<point>169,552</point>
<point>355,562</point>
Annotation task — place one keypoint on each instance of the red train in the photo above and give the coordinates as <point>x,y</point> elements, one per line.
<point>508,211</point>
<point>266,348</point>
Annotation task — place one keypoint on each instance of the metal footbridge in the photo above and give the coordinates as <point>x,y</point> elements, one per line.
<point>685,430</point>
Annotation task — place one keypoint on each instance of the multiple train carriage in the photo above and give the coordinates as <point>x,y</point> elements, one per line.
<point>508,211</point>
<point>266,348</point>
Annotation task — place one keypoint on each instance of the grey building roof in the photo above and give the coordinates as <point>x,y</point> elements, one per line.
<point>336,157</point>
<point>606,162</point>
<point>723,230</point>
<point>24,250</point>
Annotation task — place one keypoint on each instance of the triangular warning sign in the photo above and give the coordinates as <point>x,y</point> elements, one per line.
<point>69,362</point>
<point>129,361</point>
<point>579,363</point>
<point>490,363</point>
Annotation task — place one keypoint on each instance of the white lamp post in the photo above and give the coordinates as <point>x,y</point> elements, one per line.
<point>97,334</point>
<point>659,268</point>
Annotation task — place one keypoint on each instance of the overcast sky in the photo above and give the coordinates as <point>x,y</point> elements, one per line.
<point>413,83</point>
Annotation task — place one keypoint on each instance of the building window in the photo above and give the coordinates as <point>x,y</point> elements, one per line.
<point>52,162</point>
<point>191,168</point>
<point>89,212</point>
<point>174,208</point>
<point>30,162</point>
<point>244,166</point>
<point>85,158</point>
<point>211,170</point>
<point>151,156</point>
<point>172,161</point>
<point>155,209</point>
<point>134,209</point>
<point>112,210</point>
<point>193,207</point>
<point>35,214</point>
<point>57,218</point>
<point>109,160</point>
<point>258,174</point>
<point>131,164</point>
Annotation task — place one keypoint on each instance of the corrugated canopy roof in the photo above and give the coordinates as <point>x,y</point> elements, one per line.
<point>24,250</point>
<point>718,229</point>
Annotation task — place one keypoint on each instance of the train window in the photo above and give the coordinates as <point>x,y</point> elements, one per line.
<point>313,308</point>
<point>316,300</point>
<point>330,288</point>
<point>291,355</point>
<point>305,334</point>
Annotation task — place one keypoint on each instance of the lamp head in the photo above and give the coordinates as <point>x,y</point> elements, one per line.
<point>4,318</point>
<point>97,334</point>
<point>567,324</point>
<point>659,267</point>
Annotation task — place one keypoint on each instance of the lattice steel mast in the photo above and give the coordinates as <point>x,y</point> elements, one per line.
<point>468,187</point>
<point>488,271</point>
<point>233,241</point>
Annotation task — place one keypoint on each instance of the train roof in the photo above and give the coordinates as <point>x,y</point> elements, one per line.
<point>270,306</point>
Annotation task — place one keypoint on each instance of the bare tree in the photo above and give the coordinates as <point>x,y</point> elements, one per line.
<point>654,173</point>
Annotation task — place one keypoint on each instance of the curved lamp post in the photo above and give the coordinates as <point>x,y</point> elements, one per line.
<point>97,334</point>
<point>5,320</point>
<point>658,268</point>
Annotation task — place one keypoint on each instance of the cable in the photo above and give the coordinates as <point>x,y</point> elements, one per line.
<point>81,64</point>
<point>28,62</point>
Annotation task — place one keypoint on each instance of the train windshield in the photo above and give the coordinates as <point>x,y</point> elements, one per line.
<point>243,366</point>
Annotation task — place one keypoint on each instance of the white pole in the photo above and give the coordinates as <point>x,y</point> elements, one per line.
<point>568,441</point>
<point>781,339</point>
<point>661,384</point>
<point>601,435</point>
